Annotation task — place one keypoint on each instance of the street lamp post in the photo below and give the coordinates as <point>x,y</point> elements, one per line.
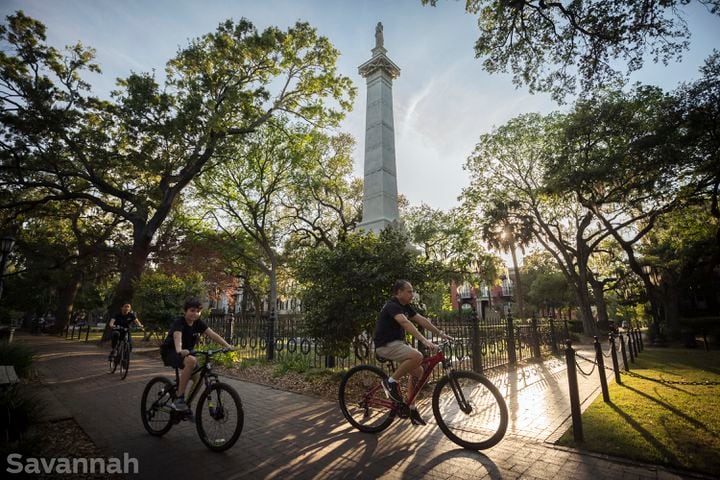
<point>6,245</point>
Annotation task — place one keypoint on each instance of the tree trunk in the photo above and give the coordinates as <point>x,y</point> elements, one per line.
<point>131,271</point>
<point>518,287</point>
<point>272,319</point>
<point>581,293</point>
<point>66,301</point>
<point>599,294</point>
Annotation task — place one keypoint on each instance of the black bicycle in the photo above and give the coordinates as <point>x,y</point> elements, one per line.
<point>218,415</point>
<point>122,353</point>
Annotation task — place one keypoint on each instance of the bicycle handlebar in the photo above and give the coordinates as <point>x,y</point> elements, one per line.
<point>209,353</point>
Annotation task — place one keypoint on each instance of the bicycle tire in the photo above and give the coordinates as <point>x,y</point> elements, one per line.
<point>204,415</point>
<point>159,403</point>
<point>489,413</point>
<point>112,364</point>
<point>124,360</point>
<point>357,386</point>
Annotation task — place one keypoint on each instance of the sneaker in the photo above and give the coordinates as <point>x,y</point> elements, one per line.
<point>415,417</point>
<point>180,405</point>
<point>392,390</point>
<point>112,355</point>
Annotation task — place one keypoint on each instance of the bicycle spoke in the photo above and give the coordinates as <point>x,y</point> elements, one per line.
<point>219,417</point>
<point>363,400</point>
<point>481,421</point>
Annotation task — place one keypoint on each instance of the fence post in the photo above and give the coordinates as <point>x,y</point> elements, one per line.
<point>535,337</point>
<point>512,358</point>
<point>229,326</point>
<point>639,334</point>
<point>270,337</point>
<point>613,355</point>
<point>553,336</point>
<point>567,330</point>
<point>574,394</point>
<point>476,350</point>
<point>631,349</point>
<point>622,351</point>
<point>636,347</point>
<point>601,370</point>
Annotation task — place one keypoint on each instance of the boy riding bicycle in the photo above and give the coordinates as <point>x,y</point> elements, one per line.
<point>181,340</point>
<point>392,325</point>
<point>124,319</point>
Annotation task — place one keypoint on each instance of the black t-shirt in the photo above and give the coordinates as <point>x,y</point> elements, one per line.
<point>387,328</point>
<point>190,334</point>
<point>124,320</point>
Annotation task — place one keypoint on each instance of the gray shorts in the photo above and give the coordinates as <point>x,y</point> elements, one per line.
<point>397,351</point>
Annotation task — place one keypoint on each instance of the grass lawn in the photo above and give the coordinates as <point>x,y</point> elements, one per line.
<point>673,425</point>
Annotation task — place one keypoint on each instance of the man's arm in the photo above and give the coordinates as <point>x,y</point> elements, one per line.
<point>427,324</point>
<point>217,338</point>
<point>410,328</point>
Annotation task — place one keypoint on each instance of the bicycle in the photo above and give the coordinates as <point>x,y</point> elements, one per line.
<point>122,353</point>
<point>218,407</point>
<point>468,408</point>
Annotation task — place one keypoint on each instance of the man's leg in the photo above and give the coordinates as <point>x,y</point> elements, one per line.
<point>414,382</point>
<point>411,364</point>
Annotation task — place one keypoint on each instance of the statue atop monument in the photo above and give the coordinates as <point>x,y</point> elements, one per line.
<point>379,35</point>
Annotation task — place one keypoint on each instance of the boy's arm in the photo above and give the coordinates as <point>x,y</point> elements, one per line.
<point>111,323</point>
<point>137,322</point>
<point>217,338</point>
<point>177,338</point>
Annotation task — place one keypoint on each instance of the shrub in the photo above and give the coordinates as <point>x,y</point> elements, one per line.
<point>17,355</point>
<point>21,410</point>
<point>297,363</point>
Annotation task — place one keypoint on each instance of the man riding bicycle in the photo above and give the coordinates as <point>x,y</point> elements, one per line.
<point>180,340</point>
<point>124,319</point>
<point>392,325</point>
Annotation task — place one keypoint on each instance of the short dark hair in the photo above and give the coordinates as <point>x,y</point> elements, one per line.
<point>400,285</point>
<point>192,302</point>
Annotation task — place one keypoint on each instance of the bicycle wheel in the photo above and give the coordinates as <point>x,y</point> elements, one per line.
<point>113,363</point>
<point>124,360</point>
<point>219,417</point>
<point>155,408</point>
<point>470,410</point>
<point>363,400</point>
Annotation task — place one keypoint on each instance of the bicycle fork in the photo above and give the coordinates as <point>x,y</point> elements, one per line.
<point>457,391</point>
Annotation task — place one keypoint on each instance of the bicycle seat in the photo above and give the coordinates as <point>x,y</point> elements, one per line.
<point>382,359</point>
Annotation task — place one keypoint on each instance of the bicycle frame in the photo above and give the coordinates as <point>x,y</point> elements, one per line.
<point>428,364</point>
<point>205,376</point>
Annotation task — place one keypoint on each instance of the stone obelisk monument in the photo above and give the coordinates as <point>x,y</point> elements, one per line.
<point>380,205</point>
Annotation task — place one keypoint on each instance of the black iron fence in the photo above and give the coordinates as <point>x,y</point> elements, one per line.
<point>481,343</point>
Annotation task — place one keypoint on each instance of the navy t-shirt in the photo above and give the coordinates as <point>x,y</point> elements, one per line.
<point>124,320</point>
<point>190,334</point>
<point>387,328</point>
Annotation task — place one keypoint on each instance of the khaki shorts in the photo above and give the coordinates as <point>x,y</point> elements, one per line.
<point>396,351</point>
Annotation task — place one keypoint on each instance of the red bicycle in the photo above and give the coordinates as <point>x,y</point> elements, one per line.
<point>468,408</point>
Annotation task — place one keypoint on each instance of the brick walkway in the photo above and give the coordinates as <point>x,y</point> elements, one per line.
<point>287,435</point>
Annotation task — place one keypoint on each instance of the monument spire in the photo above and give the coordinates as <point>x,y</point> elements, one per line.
<point>380,206</point>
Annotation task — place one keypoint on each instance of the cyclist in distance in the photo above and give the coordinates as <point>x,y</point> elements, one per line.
<point>392,325</point>
<point>181,339</point>
<point>125,318</point>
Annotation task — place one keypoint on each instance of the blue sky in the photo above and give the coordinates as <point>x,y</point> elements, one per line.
<point>443,100</point>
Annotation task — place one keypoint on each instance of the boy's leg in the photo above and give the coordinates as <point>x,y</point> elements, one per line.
<point>189,363</point>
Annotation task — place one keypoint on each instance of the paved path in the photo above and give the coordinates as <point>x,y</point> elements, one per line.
<point>287,435</point>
